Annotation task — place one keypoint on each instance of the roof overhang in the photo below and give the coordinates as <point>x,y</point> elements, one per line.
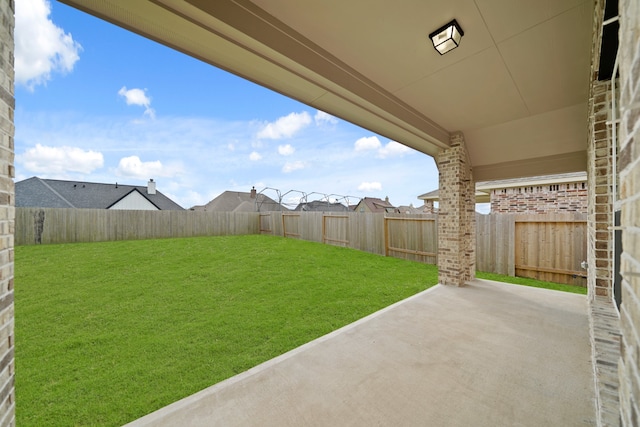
<point>484,189</point>
<point>517,86</point>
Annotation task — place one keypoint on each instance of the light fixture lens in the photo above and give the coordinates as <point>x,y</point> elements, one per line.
<point>446,46</point>
<point>447,37</point>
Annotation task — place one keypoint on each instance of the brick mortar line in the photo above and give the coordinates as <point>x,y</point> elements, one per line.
<point>627,314</point>
<point>631,259</point>
<point>632,166</point>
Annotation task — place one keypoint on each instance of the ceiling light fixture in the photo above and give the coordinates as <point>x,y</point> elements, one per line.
<point>447,37</point>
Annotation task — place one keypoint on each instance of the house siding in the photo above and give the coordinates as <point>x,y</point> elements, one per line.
<point>7,213</point>
<point>134,201</point>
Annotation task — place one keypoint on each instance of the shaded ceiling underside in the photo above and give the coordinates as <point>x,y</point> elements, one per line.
<point>517,86</point>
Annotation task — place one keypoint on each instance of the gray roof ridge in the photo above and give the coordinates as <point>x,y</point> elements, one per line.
<point>55,192</point>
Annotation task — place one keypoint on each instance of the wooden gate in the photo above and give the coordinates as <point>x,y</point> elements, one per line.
<point>551,250</point>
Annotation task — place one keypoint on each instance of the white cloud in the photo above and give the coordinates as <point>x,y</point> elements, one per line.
<point>41,47</point>
<point>138,97</point>
<point>60,160</point>
<point>285,127</point>
<point>286,150</point>
<point>370,186</point>
<point>322,118</point>
<point>393,149</point>
<point>368,143</point>
<point>292,166</point>
<point>255,156</point>
<point>187,198</point>
<point>133,167</point>
<point>200,147</point>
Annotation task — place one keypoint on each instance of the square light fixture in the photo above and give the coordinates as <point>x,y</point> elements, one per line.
<point>447,37</point>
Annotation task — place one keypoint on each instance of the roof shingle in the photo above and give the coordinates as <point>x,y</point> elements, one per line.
<point>52,193</point>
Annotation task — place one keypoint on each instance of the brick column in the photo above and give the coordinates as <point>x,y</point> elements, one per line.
<point>7,213</point>
<point>629,167</point>
<point>456,215</point>
<point>600,193</point>
<point>428,207</point>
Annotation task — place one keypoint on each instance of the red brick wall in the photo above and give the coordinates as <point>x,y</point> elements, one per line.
<point>456,215</point>
<point>541,199</point>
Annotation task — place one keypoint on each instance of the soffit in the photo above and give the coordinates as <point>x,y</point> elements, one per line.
<point>521,72</point>
<point>517,86</point>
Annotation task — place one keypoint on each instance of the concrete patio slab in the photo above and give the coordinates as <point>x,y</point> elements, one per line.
<point>488,354</point>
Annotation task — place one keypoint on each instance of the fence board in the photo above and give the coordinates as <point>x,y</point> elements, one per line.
<point>335,230</point>
<point>551,248</point>
<point>411,237</point>
<point>495,243</point>
<point>46,225</point>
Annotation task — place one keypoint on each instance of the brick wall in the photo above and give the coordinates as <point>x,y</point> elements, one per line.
<point>429,207</point>
<point>541,199</point>
<point>629,167</point>
<point>600,191</point>
<point>456,215</point>
<point>7,105</point>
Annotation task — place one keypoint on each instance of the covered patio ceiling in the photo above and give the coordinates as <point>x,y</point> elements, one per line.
<point>517,86</point>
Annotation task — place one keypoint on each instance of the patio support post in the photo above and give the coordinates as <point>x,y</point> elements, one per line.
<point>601,177</point>
<point>456,215</point>
<point>7,214</point>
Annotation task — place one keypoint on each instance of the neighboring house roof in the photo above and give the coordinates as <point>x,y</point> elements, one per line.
<point>410,209</point>
<point>376,205</point>
<point>481,196</point>
<point>238,201</point>
<point>484,188</point>
<point>321,206</point>
<point>53,193</point>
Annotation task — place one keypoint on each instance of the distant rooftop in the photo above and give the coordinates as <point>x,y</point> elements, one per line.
<point>53,193</point>
<point>321,206</point>
<point>239,201</point>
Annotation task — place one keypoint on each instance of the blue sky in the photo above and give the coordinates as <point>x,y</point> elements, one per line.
<point>97,103</point>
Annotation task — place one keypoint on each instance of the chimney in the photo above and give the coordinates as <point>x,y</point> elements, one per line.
<point>253,192</point>
<point>151,187</point>
<point>386,199</point>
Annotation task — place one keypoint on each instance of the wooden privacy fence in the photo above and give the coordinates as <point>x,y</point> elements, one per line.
<point>414,238</point>
<point>335,229</point>
<point>411,237</point>
<point>48,225</point>
<point>548,247</point>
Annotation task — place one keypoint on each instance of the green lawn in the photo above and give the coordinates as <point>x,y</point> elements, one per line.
<point>532,282</point>
<point>108,332</point>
